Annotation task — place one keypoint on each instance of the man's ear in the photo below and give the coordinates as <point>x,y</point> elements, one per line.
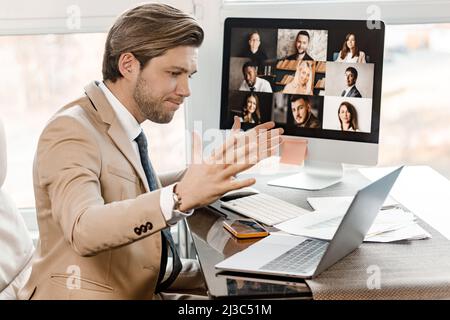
<point>128,65</point>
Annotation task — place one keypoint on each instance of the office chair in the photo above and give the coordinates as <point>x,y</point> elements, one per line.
<point>16,246</point>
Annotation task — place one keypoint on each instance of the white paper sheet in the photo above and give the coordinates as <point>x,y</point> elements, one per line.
<point>423,191</point>
<point>409,232</point>
<point>323,224</point>
<point>326,203</point>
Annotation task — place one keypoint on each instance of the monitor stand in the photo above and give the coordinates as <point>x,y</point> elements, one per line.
<point>315,175</point>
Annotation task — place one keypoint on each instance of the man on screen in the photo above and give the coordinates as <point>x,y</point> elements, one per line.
<point>351,74</point>
<point>301,111</point>
<point>301,45</point>
<point>251,82</point>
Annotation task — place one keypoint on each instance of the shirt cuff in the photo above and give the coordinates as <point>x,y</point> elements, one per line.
<point>166,203</point>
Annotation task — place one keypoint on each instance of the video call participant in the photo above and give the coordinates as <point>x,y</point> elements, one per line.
<point>301,47</point>
<point>350,51</point>
<point>251,82</point>
<point>302,113</point>
<point>255,52</point>
<point>250,110</point>
<point>301,84</point>
<point>348,117</point>
<point>351,74</point>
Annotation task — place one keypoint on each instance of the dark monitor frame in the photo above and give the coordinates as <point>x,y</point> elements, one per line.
<point>376,37</point>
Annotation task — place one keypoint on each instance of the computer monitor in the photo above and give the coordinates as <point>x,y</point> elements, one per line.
<point>320,80</point>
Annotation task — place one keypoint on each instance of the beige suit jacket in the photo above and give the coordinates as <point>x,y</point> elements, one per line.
<point>98,223</point>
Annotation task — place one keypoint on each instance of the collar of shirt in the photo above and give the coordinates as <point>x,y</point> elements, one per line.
<point>348,89</point>
<point>258,84</point>
<point>126,119</point>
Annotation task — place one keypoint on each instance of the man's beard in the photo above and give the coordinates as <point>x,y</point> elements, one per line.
<point>152,108</point>
<point>300,50</point>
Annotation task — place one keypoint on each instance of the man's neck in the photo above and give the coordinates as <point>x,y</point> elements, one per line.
<point>254,84</point>
<point>124,95</point>
<point>306,121</point>
<point>301,55</point>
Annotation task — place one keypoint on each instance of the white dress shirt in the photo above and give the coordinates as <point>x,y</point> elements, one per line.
<point>348,90</point>
<point>132,130</point>
<point>261,85</point>
<point>361,58</point>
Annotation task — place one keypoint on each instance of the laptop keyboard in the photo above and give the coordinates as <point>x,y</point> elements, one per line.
<point>302,258</point>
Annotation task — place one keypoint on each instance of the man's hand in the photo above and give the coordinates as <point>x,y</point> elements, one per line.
<point>207,180</point>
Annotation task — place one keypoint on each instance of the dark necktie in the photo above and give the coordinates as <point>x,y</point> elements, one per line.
<point>252,89</point>
<point>166,236</point>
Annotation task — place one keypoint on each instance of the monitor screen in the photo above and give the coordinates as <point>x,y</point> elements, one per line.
<point>314,78</point>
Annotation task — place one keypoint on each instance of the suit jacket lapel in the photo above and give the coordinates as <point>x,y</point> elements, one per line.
<point>351,93</point>
<point>115,131</point>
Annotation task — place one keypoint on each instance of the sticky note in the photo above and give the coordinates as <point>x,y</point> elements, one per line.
<point>293,151</point>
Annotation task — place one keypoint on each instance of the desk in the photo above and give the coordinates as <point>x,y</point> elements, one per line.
<point>213,243</point>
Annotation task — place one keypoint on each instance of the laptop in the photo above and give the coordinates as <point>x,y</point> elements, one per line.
<point>300,257</point>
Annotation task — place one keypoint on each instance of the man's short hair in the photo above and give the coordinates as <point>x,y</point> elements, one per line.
<point>148,31</point>
<point>303,33</point>
<point>248,64</point>
<point>353,71</point>
<point>296,97</point>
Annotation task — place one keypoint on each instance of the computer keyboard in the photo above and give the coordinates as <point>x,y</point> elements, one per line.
<point>302,258</point>
<point>264,208</point>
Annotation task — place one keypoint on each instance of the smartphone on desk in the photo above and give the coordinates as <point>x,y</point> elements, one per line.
<point>245,228</point>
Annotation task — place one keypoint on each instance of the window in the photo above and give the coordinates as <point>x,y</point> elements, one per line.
<point>415,109</point>
<point>42,73</point>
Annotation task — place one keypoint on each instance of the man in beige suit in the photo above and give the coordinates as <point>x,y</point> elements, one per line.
<point>102,212</point>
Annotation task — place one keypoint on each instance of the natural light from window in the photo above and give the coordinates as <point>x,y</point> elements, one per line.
<point>41,74</point>
<point>44,72</point>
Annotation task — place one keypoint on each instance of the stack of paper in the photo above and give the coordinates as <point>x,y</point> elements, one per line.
<point>392,223</point>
